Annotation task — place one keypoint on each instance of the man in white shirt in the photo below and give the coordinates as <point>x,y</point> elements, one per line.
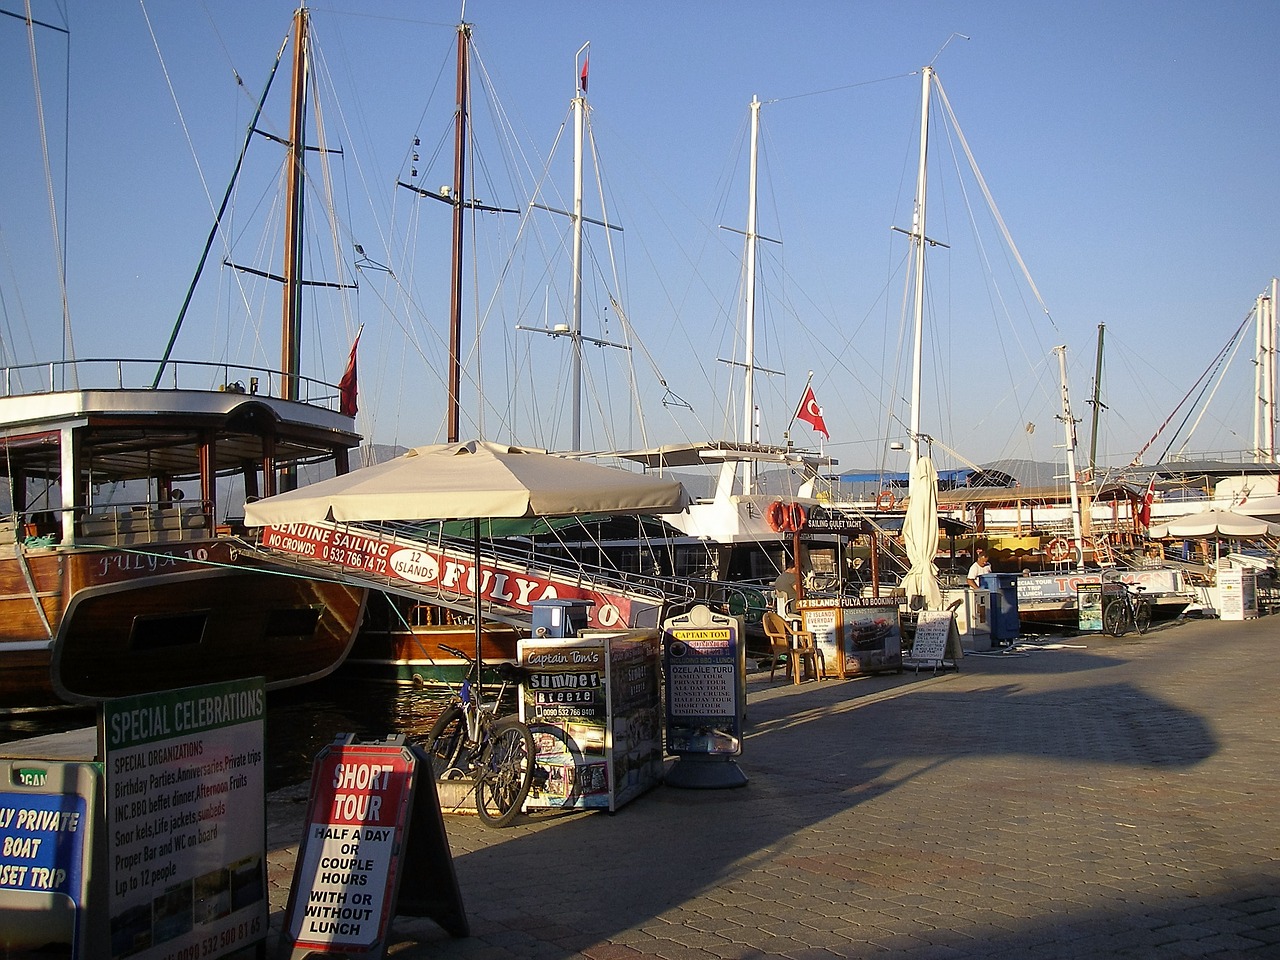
<point>980,566</point>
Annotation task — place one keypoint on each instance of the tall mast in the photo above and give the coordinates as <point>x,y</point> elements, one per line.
<point>1264,377</point>
<point>1270,392</point>
<point>748,391</point>
<point>579,125</point>
<point>1069,425</point>
<point>291,336</point>
<point>1097,405</point>
<point>918,239</point>
<point>459,222</point>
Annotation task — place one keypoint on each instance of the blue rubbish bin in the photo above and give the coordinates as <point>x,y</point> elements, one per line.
<point>1005,624</point>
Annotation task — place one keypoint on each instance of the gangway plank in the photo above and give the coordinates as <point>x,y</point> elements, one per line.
<point>439,570</point>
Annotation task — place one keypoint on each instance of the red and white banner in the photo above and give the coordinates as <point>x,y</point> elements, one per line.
<point>448,575</point>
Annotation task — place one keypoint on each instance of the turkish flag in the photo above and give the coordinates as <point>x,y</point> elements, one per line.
<point>811,413</point>
<point>1144,509</point>
<point>347,385</point>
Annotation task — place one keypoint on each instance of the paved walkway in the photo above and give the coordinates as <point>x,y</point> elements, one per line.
<point>1086,797</point>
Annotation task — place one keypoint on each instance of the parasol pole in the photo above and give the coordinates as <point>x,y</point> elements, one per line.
<point>475,590</point>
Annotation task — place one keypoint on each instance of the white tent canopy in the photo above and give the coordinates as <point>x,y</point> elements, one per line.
<point>1215,523</point>
<point>456,481</point>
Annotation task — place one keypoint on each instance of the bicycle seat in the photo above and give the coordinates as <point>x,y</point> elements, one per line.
<point>512,673</point>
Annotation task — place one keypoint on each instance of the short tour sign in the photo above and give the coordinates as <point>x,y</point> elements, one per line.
<point>344,889</point>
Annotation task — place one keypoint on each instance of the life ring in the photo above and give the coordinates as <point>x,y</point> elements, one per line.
<point>796,518</point>
<point>1058,549</point>
<point>776,516</point>
<point>885,500</point>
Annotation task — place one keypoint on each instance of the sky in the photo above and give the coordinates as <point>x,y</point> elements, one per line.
<point>1129,149</point>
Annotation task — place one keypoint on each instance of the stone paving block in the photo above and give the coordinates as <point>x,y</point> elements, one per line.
<point>1117,800</point>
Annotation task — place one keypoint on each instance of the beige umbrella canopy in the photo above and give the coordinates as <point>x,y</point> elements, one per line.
<point>1215,523</point>
<point>473,480</point>
<point>459,481</point>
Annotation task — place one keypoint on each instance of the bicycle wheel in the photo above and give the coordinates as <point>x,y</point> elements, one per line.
<point>1141,615</point>
<point>505,772</point>
<point>447,744</point>
<point>1115,619</point>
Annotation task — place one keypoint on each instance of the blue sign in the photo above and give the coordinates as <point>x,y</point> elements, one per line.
<point>42,839</point>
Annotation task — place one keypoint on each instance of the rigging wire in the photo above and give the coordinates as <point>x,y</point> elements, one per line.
<point>1199,386</point>
<point>68,343</point>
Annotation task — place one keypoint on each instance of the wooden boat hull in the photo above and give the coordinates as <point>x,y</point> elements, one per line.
<point>399,647</point>
<point>126,622</point>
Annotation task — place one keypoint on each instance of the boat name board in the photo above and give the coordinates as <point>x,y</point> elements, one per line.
<point>449,573</point>
<point>1055,587</point>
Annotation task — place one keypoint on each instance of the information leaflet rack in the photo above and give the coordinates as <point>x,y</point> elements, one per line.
<point>593,704</point>
<point>704,660</point>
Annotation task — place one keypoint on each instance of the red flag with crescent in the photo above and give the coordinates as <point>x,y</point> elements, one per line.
<point>811,413</point>
<point>347,385</point>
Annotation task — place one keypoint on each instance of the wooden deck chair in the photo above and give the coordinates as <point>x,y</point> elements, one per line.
<point>798,646</point>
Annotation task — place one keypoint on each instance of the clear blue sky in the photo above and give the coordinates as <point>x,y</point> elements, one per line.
<point>1131,149</point>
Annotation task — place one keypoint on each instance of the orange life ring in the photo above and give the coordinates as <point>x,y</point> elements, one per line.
<point>795,518</point>
<point>776,516</point>
<point>1058,549</point>
<point>885,500</point>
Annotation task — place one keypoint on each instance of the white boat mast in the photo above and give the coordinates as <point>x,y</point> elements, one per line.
<point>579,125</point>
<point>748,391</point>
<point>1069,425</point>
<point>1264,377</point>
<point>918,241</point>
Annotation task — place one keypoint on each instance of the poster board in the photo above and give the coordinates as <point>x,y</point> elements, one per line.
<point>50,898</point>
<point>186,814</point>
<point>1089,607</point>
<point>936,639</point>
<point>704,660</point>
<point>353,851</point>
<point>857,636</point>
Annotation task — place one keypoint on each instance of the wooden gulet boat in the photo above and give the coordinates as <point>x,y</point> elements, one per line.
<point>151,593</point>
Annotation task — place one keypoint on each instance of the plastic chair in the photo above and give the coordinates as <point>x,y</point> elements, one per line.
<point>798,646</point>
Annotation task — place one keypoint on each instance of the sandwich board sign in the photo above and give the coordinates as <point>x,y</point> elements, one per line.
<point>355,850</point>
<point>937,637</point>
<point>51,901</point>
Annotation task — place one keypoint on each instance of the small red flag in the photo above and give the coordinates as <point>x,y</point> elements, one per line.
<point>347,385</point>
<point>811,413</point>
<point>582,80</point>
<point>1144,509</point>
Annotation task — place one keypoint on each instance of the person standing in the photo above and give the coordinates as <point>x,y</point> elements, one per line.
<point>979,566</point>
<point>785,590</point>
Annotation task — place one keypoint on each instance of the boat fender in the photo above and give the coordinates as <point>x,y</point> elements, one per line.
<point>1058,549</point>
<point>885,500</point>
<point>776,516</point>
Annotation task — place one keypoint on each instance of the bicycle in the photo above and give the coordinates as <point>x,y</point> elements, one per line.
<point>470,741</point>
<point>1128,609</point>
